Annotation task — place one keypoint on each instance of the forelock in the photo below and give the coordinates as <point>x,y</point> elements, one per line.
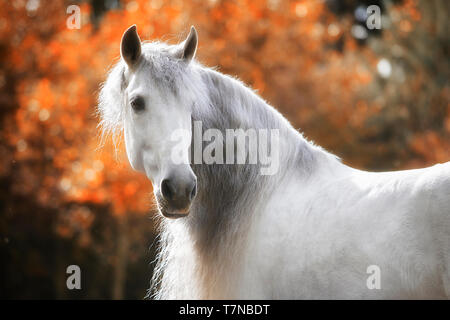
<point>166,71</point>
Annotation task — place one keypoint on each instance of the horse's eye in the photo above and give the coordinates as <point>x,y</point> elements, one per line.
<point>138,104</point>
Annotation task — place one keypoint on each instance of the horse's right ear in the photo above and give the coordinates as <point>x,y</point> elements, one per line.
<point>130,47</point>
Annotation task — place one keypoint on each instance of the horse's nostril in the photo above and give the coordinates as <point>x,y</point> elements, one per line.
<point>167,190</point>
<point>193,192</point>
<point>177,193</point>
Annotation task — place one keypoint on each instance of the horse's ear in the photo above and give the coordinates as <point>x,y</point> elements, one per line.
<point>130,46</point>
<point>189,46</point>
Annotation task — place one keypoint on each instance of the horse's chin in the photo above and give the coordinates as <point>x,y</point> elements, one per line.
<point>174,214</point>
<point>169,211</point>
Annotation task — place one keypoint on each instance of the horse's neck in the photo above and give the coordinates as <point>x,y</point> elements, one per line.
<point>228,194</point>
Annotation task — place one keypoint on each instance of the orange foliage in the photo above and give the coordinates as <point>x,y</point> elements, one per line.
<point>286,51</point>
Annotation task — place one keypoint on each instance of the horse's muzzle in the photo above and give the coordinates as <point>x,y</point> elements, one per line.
<point>175,196</point>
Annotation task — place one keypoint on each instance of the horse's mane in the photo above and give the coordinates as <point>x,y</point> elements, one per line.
<point>227,192</point>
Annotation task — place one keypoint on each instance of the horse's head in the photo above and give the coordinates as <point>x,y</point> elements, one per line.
<point>157,105</point>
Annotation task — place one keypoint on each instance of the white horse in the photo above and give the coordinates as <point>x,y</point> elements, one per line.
<point>317,229</point>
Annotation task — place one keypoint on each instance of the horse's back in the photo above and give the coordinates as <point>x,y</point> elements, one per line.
<point>437,184</point>
<point>323,234</point>
<point>414,211</point>
<point>429,218</point>
<point>426,188</point>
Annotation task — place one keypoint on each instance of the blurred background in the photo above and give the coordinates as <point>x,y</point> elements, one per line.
<point>377,98</point>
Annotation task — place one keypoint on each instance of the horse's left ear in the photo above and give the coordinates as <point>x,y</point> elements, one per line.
<point>130,47</point>
<point>189,46</point>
